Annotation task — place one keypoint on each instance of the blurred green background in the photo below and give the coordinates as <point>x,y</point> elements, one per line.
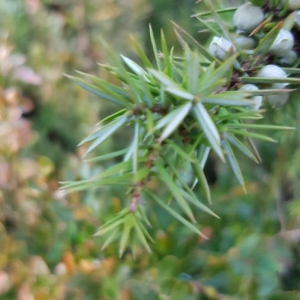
<point>47,250</point>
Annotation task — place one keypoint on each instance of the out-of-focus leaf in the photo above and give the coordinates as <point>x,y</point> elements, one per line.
<point>166,54</point>
<point>181,290</point>
<point>192,70</point>
<point>260,126</point>
<point>110,227</point>
<point>135,146</point>
<point>266,92</point>
<point>128,223</point>
<point>223,100</point>
<point>202,49</point>
<point>109,130</point>
<point>124,179</point>
<point>208,26</point>
<point>191,197</point>
<point>218,11</point>
<point>292,70</point>
<point>188,193</point>
<point>93,89</point>
<point>112,236</point>
<point>141,235</point>
<point>142,55</point>
<point>148,94</point>
<point>202,180</point>
<point>203,153</point>
<point>115,170</point>
<point>180,93</point>
<point>154,47</point>
<point>108,156</point>
<point>104,85</point>
<point>174,213</point>
<point>254,149</point>
<point>239,145</point>
<point>253,135</point>
<point>270,80</point>
<point>233,163</point>
<point>266,42</point>
<point>141,174</point>
<point>289,21</point>
<point>175,190</point>
<point>221,23</point>
<point>180,151</point>
<point>139,220</point>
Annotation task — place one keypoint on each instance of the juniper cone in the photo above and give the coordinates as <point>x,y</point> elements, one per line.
<point>289,58</point>
<point>247,17</point>
<point>257,100</point>
<point>180,108</point>
<point>246,43</point>
<point>283,43</point>
<point>274,71</point>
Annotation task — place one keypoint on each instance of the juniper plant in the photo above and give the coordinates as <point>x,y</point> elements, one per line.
<point>182,107</point>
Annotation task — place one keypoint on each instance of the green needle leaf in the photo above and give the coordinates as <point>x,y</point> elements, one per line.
<point>202,180</point>
<point>190,196</point>
<point>209,128</point>
<point>107,228</point>
<point>141,236</point>
<point>181,113</point>
<point>270,80</point>
<point>180,93</point>
<point>135,147</point>
<point>108,156</point>
<point>135,67</point>
<point>175,190</point>
<point>188,193</point>
<point>109,130</point>
<point>100,93</point>
<point>112,236</point>
<point>154,47</point>
<point>220,22</point>
<point>175,214</point>
<point>266,42</point>
<point>239,145</point>
<point>177,149</point>
<point>260,126</point>
<point>170,85</point>
<point>166,55</point>
<point>125,234</point>
<point>194,42</point>
<point>192,70</point>
<point>253,135</point>
<point>234,163</point>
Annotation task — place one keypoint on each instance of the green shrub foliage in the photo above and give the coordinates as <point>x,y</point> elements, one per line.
<point>189,103</point>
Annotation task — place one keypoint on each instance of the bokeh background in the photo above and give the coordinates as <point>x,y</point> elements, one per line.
<point>47,248</point>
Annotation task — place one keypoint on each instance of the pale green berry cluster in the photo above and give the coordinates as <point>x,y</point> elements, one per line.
<point>248,17</point>
<point>249,21</point>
